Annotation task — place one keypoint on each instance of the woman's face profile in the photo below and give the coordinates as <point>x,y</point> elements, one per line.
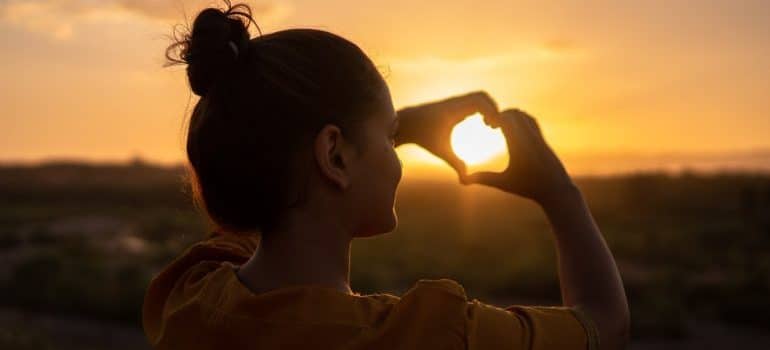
<point>377,171</point>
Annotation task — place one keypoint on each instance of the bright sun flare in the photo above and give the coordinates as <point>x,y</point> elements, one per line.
<point>475,142</point>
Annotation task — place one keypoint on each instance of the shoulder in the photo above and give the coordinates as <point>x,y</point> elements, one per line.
<point>443,286</point>
<point>444,304</point>
<point>430,315</point>
<point>200,259</point>
<point>433,302</point>
<point>434,298</point>
<point>534,326</point>
<point>185,280</point>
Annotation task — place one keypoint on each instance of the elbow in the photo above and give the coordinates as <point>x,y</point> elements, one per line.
<point>613,325</point>
<point>618,331</point>
<point>624,332</point>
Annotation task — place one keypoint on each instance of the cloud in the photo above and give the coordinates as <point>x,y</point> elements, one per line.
<point>59,18</point>
<point>549,51</point>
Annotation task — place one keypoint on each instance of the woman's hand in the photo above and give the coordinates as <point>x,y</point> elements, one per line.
<point>588,275</point>
<point>430,125</point>
<point>534,171</point>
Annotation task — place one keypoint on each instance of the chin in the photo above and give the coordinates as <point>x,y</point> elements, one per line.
<point>387,225</point>
<point>393,222</point>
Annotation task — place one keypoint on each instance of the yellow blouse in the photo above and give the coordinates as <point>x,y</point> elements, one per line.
<point>197,302</point>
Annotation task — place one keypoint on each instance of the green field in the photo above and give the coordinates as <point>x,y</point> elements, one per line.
<point>80,240</point>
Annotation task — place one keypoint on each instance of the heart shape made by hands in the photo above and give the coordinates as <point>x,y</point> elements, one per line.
<point>481,148</point>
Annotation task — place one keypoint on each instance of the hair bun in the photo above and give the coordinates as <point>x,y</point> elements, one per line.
<point>218,39</point>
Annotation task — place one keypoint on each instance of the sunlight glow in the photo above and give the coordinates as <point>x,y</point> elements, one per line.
<point>475,142</point>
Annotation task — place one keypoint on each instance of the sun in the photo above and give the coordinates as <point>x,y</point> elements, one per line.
<point>475,143</point>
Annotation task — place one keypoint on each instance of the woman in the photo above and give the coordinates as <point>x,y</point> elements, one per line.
<point>292,141</point>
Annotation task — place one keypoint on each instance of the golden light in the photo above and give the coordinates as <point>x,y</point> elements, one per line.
<point>476,143</point>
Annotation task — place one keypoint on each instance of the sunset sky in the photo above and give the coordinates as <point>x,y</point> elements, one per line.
<point>85,78</point>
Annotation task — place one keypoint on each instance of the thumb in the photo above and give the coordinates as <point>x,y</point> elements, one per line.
<point>483,178</point>
<point>458,165</point>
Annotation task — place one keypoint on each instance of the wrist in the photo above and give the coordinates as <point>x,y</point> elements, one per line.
<point>401,138</point>
<point>558,198</point>
<point>403,134</point>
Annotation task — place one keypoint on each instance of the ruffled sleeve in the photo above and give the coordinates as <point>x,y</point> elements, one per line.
<point>178,283</point>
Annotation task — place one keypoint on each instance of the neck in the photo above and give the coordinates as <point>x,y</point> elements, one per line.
<point>309,254</point>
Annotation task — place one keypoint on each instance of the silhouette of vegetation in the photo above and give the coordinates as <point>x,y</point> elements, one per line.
<point>86,239</point>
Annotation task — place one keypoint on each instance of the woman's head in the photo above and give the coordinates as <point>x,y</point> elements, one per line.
<point>295,120</point>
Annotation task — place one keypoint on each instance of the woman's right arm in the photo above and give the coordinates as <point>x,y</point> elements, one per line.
<point>588,275</point>
<point>587,272</point>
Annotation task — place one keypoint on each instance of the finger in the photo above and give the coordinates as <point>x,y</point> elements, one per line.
<point>457,164</point>
<point>483,178</point>
<point>488,108</point>
<point>516,131</point>
<point>474,102</point>
<point>531,123</point>
<point>522,119</point>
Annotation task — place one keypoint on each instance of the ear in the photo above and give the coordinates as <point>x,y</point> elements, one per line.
<point>331,154</point>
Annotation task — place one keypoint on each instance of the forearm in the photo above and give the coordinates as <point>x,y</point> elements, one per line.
<point>587,271</point>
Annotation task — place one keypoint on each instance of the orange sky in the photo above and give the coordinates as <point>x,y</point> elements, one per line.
<point>84,79</point>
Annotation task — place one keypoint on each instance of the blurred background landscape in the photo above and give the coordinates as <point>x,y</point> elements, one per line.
<point>79,243</point>
<point>658,108</point>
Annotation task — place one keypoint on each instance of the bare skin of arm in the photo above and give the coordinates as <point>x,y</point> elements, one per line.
<point>588,275</point>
